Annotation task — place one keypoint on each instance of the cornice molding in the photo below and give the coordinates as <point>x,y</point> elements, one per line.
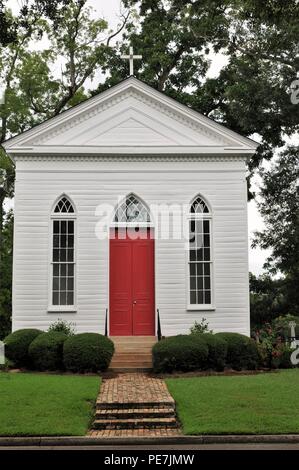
<point>131,158</point>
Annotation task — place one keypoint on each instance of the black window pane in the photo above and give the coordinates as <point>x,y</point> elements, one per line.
<point>70,270</point>
<point>206,226</point>
<point>207,297</point>
<point>56,226</point>
<point>207,254</point>
<point>193,283</point>
<point>56,270</point>
<point>70,241</point>
<point>55,254</point>
<point>62,298</point>
<point>192,255</point>
<point>70,283</point>
<point>199,269</point>
<point>199,254</point>
<point>207,240</point>
<point>200,283</point>
<point>70,298</point>
<point>55,283</point>
<point>63,270</point>
<point>192,297</point>
<point>70,254</point>
<point>200,297</point>
<point>63,241</point>
<point>55,299</point>
<point>56,241</point>
<point>207,282</point>
<point>63,283</point>
<point>206,268</point>
<point>71,226</point>
<point>63,254</point>
<point>63,226</point>
<point>192,269</point>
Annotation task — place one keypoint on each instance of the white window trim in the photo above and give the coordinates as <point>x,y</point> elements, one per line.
<point>62,216</point>
<point>201,307</point>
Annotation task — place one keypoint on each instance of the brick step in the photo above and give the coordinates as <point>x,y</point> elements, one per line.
<point>134,413</point>
<point>136,356</point>
<point>100,405</point>
<point>134,339</point>
<point>133,348</point>
<point>141,423</point>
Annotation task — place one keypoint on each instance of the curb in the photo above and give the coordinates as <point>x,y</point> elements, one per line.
<point>93,441</point>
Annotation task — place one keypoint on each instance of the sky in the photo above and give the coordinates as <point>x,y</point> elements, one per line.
<point>110,10</point>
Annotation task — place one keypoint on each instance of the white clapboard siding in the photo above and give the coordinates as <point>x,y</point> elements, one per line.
<point>90,183</point>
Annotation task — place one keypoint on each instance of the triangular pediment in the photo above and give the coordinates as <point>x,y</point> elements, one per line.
<point>130,118</point>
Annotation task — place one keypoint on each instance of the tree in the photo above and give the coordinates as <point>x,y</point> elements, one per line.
<point>251,94</point>
<point>33,92</point>
<point>6,276</point>
<point>279,207</point>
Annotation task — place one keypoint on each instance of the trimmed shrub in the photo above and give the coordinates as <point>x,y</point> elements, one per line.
<point>17,345</point>
<point>46,351</point>
<point>217,351</point>
<point>242,352</point>
<point>87,352</point>
<point>182,353</point>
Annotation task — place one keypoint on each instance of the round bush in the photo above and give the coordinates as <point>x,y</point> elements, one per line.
<point>46,351</point>
<point>17,345</point>
<point>242,352</point>
<point>87,352</point>
<point>182,352</point>
<point>217,351</point>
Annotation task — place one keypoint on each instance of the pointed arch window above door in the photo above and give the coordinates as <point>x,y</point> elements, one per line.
<point>132,210</point>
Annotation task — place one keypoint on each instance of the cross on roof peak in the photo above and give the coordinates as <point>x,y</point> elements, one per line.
<point>131,58</point>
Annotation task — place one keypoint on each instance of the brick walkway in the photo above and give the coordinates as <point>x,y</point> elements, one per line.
<point>134,404</point>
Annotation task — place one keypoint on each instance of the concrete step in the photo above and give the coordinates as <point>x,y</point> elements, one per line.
<point>134,413</point>
<point>140,423</point>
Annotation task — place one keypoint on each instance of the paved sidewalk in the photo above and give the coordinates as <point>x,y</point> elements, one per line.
<point>134,405</point>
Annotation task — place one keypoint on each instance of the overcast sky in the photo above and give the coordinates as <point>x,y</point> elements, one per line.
<point>110,9</point>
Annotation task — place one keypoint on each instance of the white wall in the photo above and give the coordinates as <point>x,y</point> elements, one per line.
<point>90,183</point>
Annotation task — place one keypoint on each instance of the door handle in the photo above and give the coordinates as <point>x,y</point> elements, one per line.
<point>134,302</point>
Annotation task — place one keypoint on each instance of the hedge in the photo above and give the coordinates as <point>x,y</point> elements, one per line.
<point>242,352</point>
<point>87,352</point>
<point>46,351</point>
<point>17,345</point>
<point>181,353</point>
<point>217,351</point>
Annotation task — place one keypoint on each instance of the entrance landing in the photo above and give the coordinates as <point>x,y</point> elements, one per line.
<point>132,353</point>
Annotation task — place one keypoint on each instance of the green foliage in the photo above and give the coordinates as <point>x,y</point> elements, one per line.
<point>17,345</point>
<point>6,253</point>
<point>202,327</point>
<point>68,328</point>
<point>46,351</point>
<point>217,351</point>
<point>87,352</point>
<point>182,353</point>
<point>242,351</point>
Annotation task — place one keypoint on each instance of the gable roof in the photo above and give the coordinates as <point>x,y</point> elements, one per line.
<point>130,118</point>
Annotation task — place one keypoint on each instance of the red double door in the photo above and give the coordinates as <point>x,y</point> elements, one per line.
<point>132,292</point>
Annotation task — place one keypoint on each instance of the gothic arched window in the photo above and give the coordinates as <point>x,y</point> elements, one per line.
<point>200,259</point>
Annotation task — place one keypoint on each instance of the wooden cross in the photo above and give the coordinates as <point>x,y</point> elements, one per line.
<point>131,58</point>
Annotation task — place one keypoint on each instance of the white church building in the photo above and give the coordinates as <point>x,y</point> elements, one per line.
<point>130,214</point>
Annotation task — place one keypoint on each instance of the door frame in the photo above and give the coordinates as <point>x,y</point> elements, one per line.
<point>148,226</point>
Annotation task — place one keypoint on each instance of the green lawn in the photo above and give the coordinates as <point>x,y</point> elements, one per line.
<point>46,405</point>
<point>252,404</point>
